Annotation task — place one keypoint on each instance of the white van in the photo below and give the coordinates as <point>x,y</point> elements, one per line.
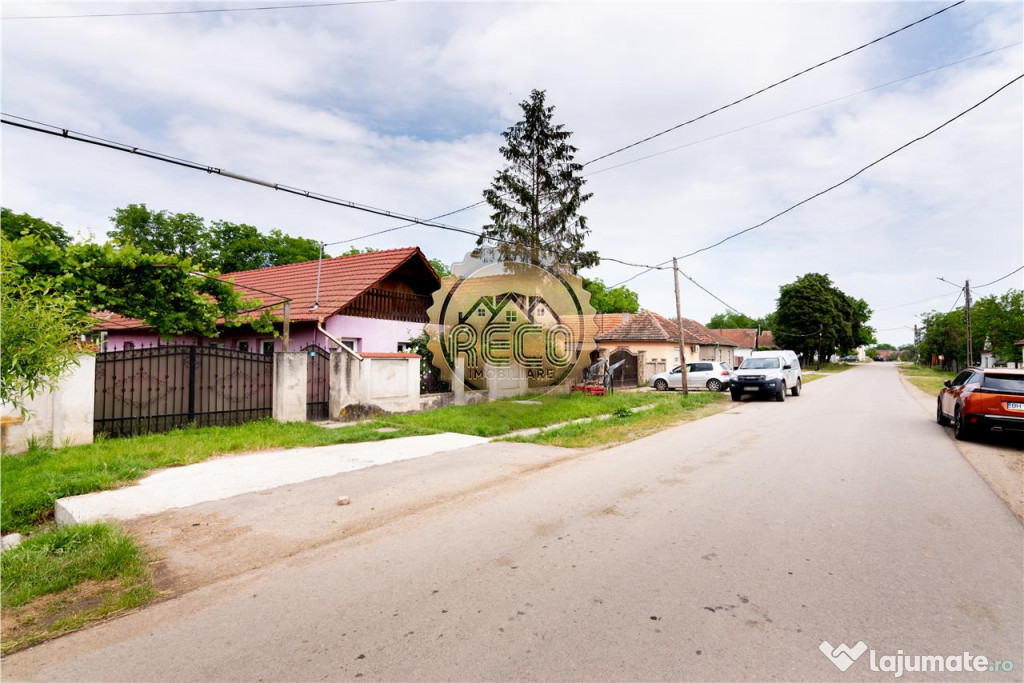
<point>768,372</point>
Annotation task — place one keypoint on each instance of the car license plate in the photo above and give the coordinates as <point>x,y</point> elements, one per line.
<point>751,387</point>
<point>1015,406</point>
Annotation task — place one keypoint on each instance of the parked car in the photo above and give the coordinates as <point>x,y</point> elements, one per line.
<point>982,399</point>
<point>770,373</point>
<point>699,375</point>
<point>850,359</point>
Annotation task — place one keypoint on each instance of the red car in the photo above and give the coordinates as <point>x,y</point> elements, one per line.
<point>983,399</point>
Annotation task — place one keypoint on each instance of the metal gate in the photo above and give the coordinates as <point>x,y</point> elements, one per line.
<point>161,388</point>
<point>318,383</point>
<point>626,374</point>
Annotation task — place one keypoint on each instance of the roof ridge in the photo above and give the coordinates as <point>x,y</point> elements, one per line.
<point>332,258</point>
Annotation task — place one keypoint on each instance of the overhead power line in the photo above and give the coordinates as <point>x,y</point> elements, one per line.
<point>1000,279</point>
<point>716,136</point>
<point>835,185</point>
<point>801,110</point>
<point>49,129</point>
<point>200,11</point>
<point>773,85</point>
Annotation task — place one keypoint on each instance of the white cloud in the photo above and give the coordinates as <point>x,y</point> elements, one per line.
<point>401,106</point>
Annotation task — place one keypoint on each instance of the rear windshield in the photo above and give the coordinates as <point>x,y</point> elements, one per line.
<point>1003,382</point>
<point>759,363</point>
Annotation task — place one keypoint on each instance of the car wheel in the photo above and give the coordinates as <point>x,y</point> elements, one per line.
<point>781,396</point>
<point>799,387</point>
<point>736,395</point>
<point>661,385</point>
<point>714,385</point>
<point>960,429</point>
<point>940,417</point>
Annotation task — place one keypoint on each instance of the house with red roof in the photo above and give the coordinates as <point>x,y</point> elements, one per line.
<point>746,340</point>
<point>372,303</point>
<point>649,344</point>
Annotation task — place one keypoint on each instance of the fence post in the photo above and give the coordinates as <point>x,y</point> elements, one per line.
<point>191,384</point>
<point>290,386</point>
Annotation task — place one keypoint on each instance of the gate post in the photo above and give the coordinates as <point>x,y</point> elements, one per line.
<point>289,403</point>
<point>346,383</point>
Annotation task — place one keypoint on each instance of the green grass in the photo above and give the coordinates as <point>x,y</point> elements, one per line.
<point>59,559</point>
<point>929,385</point>
<point>925,371</point>
<point>58,580</point>
<point>829,367</point>
<point>31,482</point>
<point>495,418</point>
<point>626,425</point>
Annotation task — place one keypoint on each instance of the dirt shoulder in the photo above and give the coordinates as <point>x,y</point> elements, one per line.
<point>1001,465</point>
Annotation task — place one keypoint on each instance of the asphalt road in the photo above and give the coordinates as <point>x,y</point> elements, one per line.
<point>725,549</point>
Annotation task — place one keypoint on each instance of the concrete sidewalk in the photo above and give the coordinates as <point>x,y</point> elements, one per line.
<point>228,476</point>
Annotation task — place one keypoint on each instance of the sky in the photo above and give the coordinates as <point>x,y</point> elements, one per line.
<point>401,105</point>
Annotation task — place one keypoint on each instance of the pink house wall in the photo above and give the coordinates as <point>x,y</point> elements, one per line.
<point>370,334</point>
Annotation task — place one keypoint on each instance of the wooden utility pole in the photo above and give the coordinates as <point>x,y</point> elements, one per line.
<point>967,320</point>
<point>679,319</point>
<point>286,325</point>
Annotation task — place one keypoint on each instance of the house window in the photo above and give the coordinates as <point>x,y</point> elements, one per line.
<point>351,344</point>
<point>128,346</point>
<point>480,312</point>
<point>540,311</point>
<point>405,347</point>
<point>510,316</point>
<point>243,346</point>
<point>216,345</point>
<point>267,347</point>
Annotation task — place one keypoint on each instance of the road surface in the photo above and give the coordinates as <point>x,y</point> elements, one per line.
<point>724,549</point>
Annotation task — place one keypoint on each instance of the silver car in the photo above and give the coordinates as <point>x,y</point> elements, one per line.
<point>713,376</point>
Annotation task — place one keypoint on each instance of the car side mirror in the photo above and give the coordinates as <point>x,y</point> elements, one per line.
<point>947,383</point>
<point>787,367</point>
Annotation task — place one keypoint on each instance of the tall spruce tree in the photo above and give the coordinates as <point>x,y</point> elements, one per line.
<point>537,197</point>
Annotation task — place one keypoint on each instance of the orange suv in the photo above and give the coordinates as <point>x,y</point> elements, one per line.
<point>983,399</point>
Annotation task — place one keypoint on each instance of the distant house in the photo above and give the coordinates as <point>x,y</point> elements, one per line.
<point>373,302</point>
<point>745,340</point>
<point>649,344</point>
<point>885,354</point>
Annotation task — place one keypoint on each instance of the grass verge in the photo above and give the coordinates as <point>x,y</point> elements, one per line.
<point>58,580</point>
<point>929,385</point>
<point>925,371</point>
<point>30,483</point>
<point>624,425</point>
<point>830,367</point>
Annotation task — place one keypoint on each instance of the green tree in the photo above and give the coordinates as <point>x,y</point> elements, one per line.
<point>159,232</point>
<point>731,320</point>
<point>813,313</point>
<point>1000,321</point>
<point>440,268</point>
<point>163,290</point>
<point>222,246</point>
<point>39,329</point>
<point>614,300</point>
<point>537,197</point>
<point>17,225</point>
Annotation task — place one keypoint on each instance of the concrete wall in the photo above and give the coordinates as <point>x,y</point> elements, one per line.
<point>63,417</point>
<point>289,404</point>
<point>389,383</point>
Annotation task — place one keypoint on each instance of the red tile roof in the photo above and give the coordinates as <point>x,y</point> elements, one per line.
<point>650,326</point>
<point>342,279</point>
<point>744,337</point>
<point>607,322</point>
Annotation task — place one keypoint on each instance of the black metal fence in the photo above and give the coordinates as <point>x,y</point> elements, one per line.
<point>318,383</point>
<point>161,388</point>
